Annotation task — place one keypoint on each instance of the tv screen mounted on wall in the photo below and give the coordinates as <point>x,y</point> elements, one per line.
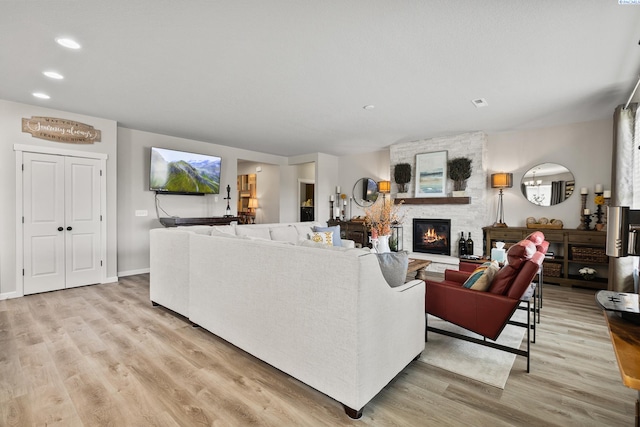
<point>180,172</point>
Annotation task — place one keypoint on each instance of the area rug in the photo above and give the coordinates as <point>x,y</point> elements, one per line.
<point>484,364</point>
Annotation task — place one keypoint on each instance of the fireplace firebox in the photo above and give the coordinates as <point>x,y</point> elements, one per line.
<point>432,236</point>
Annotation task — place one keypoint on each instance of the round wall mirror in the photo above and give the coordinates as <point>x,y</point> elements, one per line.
<point>547,184</point>
<point>365,192</point>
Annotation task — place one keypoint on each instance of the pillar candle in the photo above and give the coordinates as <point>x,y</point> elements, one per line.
<point>598,188</point>
<point>607,194</point>
<point>584,190</point>
<point>338,189</point>
<point>587,211</point>
<point>344,202</point>
<point>331,198</point>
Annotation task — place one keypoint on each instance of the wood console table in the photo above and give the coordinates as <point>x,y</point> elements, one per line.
<point>216,220</point>
<point>625,337</point>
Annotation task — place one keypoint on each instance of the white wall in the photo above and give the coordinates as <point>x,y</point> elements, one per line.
<point>374,165</point>
<point>584,148</point>
<point>133,186</point>
<point>268,190</point>
<point>11,115</point>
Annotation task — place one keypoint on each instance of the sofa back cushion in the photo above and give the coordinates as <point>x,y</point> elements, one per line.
<point>256,232</point>
<point>284,234</point>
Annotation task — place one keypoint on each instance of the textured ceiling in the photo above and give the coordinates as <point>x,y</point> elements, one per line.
<point>292,77</point>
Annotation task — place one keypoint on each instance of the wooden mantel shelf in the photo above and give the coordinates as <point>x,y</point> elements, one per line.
<point>434,200</point>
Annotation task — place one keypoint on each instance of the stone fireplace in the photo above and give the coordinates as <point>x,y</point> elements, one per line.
<point>432,236</point>
<point>467,218</point>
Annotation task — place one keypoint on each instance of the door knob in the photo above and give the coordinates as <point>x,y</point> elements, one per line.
<point>69,228</point>
<point>60,228</point>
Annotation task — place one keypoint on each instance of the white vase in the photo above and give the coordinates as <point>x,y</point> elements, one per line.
<point>383,244</point>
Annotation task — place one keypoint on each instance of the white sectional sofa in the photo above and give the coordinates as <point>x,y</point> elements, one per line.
<point>325,316</point>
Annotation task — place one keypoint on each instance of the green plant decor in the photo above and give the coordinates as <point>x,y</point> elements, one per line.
<point>459,170</point>
<point>402,175</point>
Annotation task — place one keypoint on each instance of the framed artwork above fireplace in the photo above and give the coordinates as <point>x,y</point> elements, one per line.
<point>431,173</point>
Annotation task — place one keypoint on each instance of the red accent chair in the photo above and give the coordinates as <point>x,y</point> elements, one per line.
<point>487,313</point>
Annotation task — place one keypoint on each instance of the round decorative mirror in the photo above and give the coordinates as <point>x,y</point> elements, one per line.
<point>547,184</point>
<point>365,192</point>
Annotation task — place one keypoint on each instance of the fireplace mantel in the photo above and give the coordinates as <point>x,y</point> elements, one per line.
<point>433,200</point>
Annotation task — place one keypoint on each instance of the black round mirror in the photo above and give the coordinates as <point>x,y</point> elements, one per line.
<point>365,192</point>
<point>547,184</point>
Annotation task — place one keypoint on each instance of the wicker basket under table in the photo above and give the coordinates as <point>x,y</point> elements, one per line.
<point>587,254</point>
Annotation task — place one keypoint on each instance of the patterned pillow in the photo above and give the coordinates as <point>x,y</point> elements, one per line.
<point>337,241</point>
<point>484,282</point>
<point>325,237</point>
<point>477,274</point>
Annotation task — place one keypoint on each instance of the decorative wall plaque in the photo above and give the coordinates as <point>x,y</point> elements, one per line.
<point>60,130</point>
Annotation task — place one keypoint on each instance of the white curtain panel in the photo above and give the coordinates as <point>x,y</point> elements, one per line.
<point>625,182</point>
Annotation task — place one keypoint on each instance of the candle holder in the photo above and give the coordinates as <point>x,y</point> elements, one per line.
<point>586,220</point>
<point>583,206</point>
<point>599,225</point>
<point>331,209</point>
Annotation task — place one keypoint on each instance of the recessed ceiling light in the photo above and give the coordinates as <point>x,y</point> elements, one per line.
<point>369,107</point>
<point>41,95</point>
<point>480,102</point>
<point>53,75</point>
<point>71,44</point>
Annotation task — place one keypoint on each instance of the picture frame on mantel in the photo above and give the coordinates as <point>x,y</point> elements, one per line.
<point>431,174</point>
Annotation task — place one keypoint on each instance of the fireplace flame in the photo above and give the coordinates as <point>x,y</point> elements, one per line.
<point>430,236</point>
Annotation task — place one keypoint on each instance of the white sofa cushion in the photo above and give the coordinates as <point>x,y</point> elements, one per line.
<point>257,232</point>
<point>284,234</point>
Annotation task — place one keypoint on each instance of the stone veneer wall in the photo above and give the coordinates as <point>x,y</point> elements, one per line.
<point>468,218</point>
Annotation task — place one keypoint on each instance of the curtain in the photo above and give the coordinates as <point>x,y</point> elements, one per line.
<point>557,192</point>
<point>625,186</point>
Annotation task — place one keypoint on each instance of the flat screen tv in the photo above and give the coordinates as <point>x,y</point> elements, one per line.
<point>180,172</point>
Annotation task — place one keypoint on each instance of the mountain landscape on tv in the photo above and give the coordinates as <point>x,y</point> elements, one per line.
<point>193,174</point>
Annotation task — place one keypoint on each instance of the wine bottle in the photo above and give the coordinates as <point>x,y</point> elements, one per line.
<point>469,245</point>
<point>462,245</point>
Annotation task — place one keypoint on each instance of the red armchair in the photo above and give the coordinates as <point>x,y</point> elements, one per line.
<point>487,313</point>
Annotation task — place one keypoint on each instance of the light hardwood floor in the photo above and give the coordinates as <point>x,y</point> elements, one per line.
<point>102,355</point>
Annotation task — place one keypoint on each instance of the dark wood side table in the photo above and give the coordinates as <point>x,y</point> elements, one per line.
<point>352,230</point>
<point>216,220</point>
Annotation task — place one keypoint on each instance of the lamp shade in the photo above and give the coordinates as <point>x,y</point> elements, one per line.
<point>384,186</point>
<point>501,180</point>
<point>253,203</point>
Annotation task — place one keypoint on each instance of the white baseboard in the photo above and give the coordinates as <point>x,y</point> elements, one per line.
<point>133,272</point>
<point>9,295</point>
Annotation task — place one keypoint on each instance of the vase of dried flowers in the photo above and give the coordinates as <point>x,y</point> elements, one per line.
<point>379,218</point>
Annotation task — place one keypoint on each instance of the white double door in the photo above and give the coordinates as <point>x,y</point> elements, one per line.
<point>62,230</point>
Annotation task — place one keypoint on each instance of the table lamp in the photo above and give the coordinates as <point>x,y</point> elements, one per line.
<point>501,180</point>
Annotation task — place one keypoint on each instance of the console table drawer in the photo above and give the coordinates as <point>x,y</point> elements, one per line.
<point>596,238</point>
<point>515,235</point>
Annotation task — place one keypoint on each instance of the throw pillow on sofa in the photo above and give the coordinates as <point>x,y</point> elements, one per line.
<point>482,276</point>
<point>325,237</point>
<point>337,241</point>
<point>394,266</point>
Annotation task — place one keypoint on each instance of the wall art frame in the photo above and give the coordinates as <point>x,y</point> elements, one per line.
<point>431,174</point>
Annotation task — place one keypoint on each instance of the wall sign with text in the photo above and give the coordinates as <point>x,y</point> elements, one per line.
<point>60,130</point>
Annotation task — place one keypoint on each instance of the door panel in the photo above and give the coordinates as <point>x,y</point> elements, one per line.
<point>82,211</point>
<point>62,229</point>
<point>43,198</point>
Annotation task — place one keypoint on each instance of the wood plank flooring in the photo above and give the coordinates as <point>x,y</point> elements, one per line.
<point>102,355</point>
